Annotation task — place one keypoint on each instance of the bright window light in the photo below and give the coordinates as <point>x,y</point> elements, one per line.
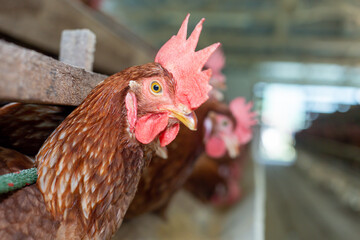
<point>288,108</point>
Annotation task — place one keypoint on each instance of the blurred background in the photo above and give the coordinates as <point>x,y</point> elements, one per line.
<point>297,60</point>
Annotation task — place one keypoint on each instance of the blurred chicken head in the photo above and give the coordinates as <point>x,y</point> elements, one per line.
<point>222,135</point>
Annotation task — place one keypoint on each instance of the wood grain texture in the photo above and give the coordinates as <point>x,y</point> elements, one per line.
<point>28,76</point>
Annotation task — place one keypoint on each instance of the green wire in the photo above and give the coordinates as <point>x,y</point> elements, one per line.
<point>13,181</point>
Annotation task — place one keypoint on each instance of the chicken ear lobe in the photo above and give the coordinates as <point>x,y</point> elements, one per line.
<point>131,108</point>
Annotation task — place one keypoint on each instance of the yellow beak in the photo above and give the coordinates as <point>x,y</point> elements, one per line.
<point>189,120</point>
<point>232,145</point>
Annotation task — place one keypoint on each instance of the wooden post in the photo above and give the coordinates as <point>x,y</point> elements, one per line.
<point>77,48</point>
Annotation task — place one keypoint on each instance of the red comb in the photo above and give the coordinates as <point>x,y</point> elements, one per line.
<point>245,119</point>
<point>178,56</point>
<point>217,62</point>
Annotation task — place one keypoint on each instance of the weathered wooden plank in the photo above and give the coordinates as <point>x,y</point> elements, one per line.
<point>39,23</point>
<point>28,76</point>
<point>77,48</point>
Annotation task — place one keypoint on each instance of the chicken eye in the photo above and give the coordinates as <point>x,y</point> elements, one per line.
<point>225,123</point>
<point>155,87</point>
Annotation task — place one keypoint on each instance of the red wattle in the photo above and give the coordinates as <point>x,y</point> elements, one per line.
<point>149,126</point>
<point>215,147</point>
<point>169,134</point>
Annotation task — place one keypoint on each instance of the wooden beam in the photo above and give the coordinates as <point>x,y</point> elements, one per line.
<point>28,76</point>
<point>39,23</point>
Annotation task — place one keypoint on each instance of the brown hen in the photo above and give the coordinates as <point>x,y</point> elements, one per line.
<point>83,185</point>
<point>89,167</point>
<point>217,173</point>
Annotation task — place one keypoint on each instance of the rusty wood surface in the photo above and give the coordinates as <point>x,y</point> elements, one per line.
<point>28,76</point>
<point>39,23</point>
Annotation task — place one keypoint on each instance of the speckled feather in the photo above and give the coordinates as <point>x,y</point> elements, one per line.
<point>205,178</point>
<point>90,166</point>
<point>25,127</point>
<point>22,213</point>
<point>216,181</point>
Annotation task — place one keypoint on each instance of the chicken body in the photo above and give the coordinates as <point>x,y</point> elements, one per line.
<point>86,179</point>
<point>23,214</point>
<point>90,166</point>
<point>159,181</point>
<point>205,179</point>
<point>217,181</point>
<point>25,127</point>
<point>217,173</point>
